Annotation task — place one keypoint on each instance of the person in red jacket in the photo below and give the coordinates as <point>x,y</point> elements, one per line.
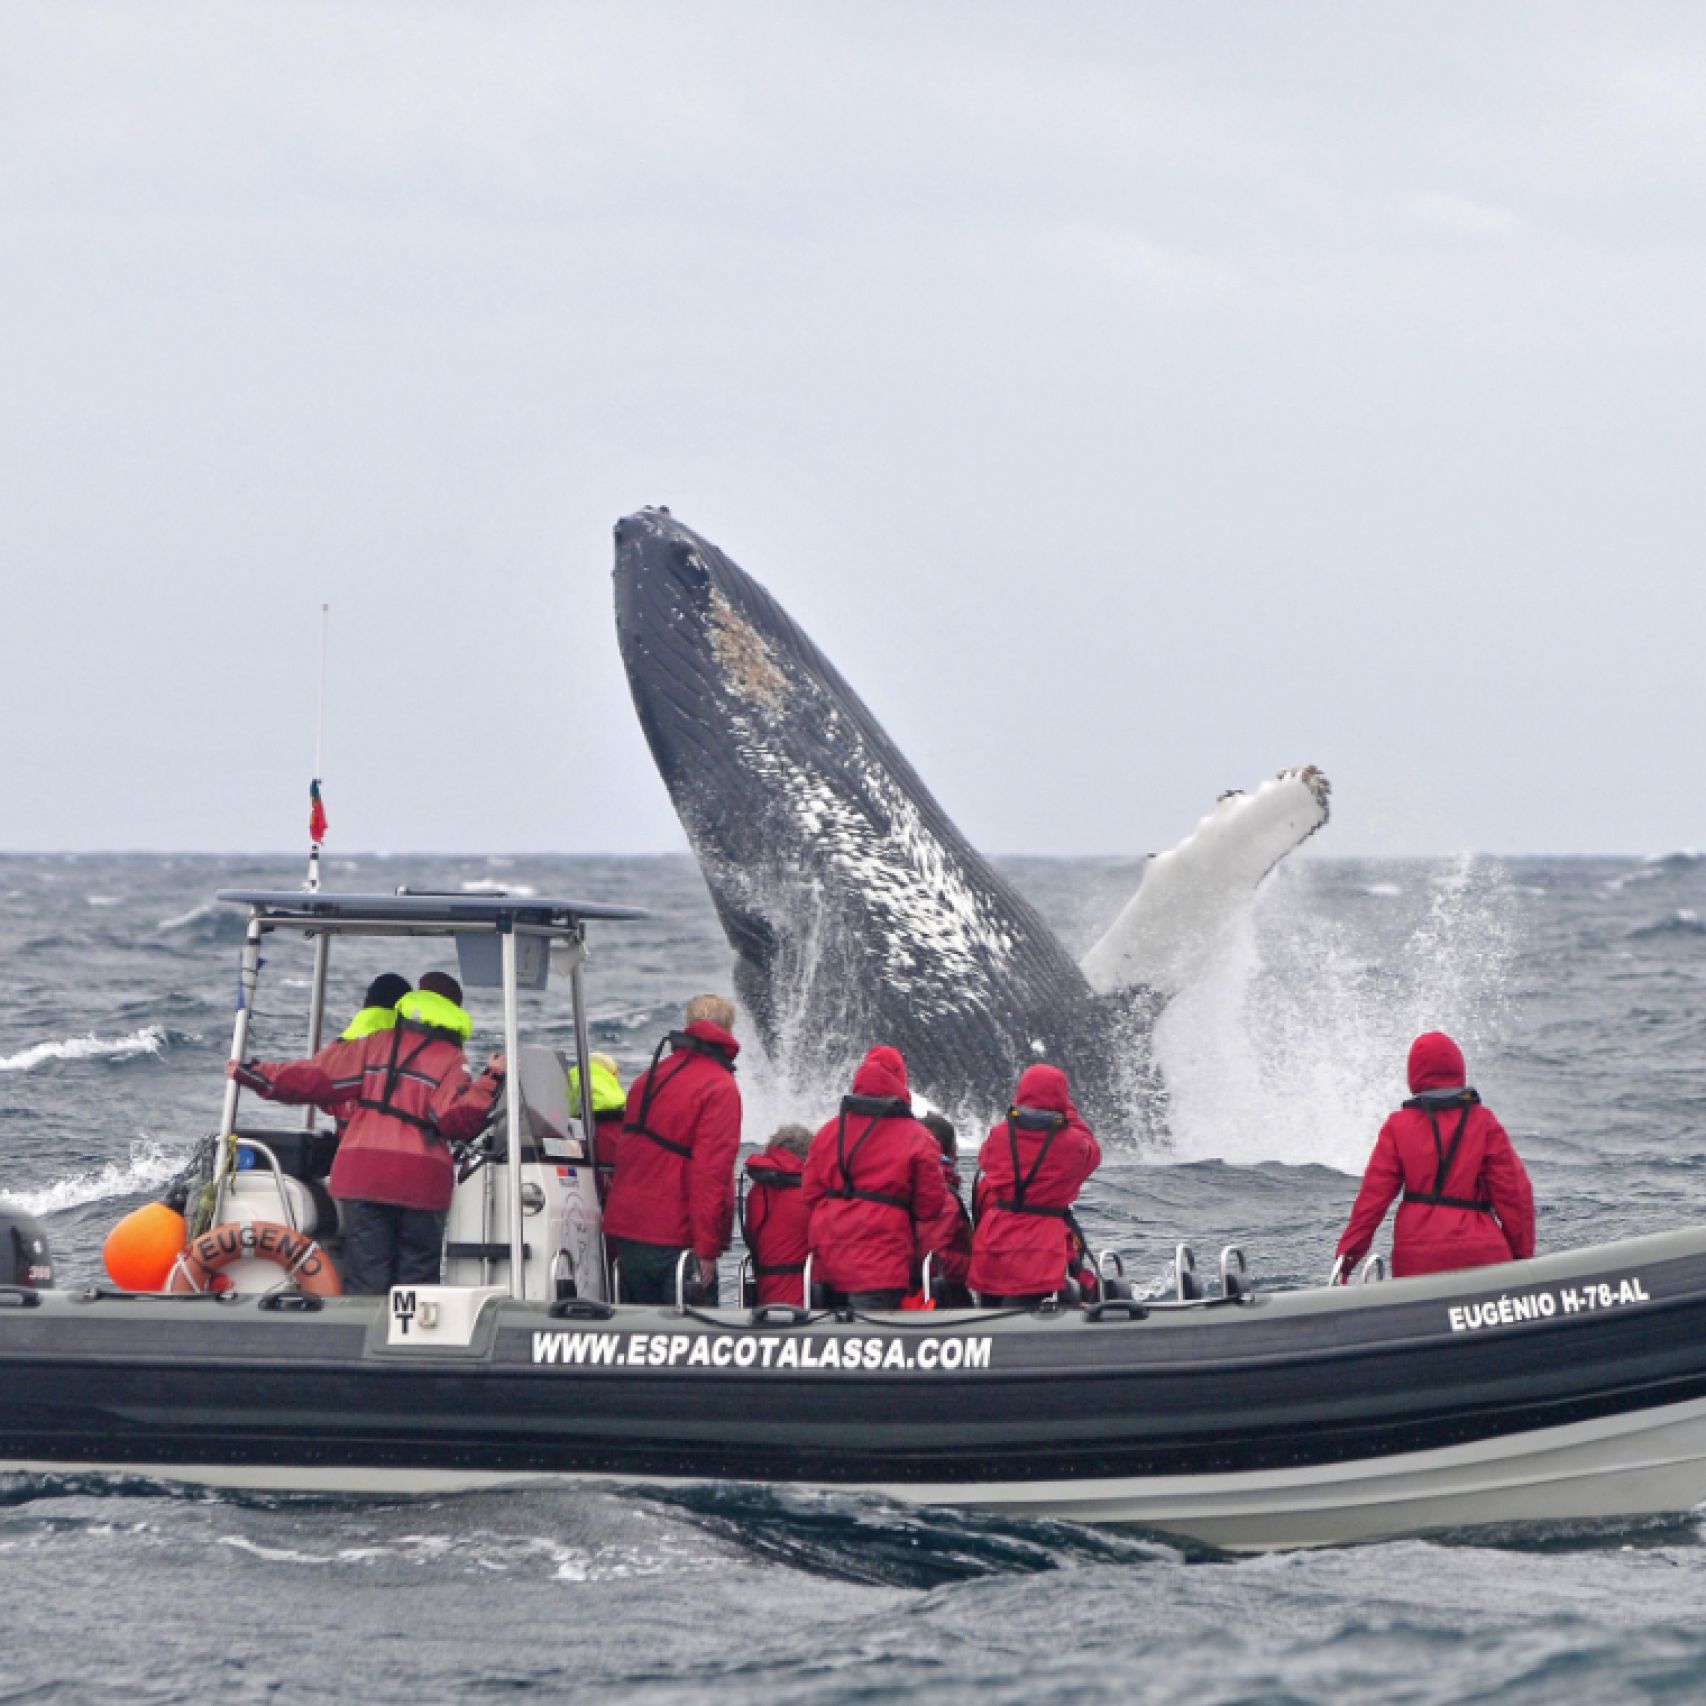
<point>1466,1201</point>
<point>674,1186</point>
<point>948,1236</point>
<point>407,1096</point>
<point>1032,1167</point>
<point>872,1176</point>
<point>774,1220</point>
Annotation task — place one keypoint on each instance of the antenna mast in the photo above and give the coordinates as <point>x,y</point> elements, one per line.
<point>316,806</point>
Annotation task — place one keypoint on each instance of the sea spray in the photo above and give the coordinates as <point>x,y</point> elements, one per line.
<point>149,1165</point>
<point>1291,1044</point>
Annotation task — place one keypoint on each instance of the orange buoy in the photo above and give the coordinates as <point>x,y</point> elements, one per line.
<point>140,1250</point>
<point>305,1264</point>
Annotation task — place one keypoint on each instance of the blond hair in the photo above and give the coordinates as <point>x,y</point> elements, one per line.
<point>712,1009</point>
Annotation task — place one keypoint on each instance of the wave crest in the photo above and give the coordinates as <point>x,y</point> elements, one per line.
<point>151,1164</point>
<point>149,1040</point>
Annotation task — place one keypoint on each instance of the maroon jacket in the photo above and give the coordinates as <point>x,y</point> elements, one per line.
<point>606,1141</point>
<point>947,1236</point>
<point>1033,1165</point>
<point>1467,1200</point>
<point>407,1096</point>
<point>873,1173</point>
<point>775,1224</point>
<point>675,1166</point>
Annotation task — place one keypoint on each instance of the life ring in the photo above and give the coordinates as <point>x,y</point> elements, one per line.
<point>305,1264</point>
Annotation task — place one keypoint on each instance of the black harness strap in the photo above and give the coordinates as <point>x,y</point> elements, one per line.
<point>1444,1157</point>
<point>1051,1124</point>
<point>657,1080</point>
<point>396,1070</point>
<point>772,1179</point>
<point>879,1108</point>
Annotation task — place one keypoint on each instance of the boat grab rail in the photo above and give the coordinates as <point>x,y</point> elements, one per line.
<point>1117,1309</point>
<point>112,1294</point>
<point>1371,1272</point>
<point>1235,1278</point>
<point>286,1300</point>
<point>581,1309</point>
<point>235,1172</point>
<point>19,1297</point>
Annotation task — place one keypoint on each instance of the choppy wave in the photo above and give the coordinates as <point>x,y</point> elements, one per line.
<point>149,1040</point>
<point>149,1166</point>
<point>1685,921</point>
<point>211,921</point>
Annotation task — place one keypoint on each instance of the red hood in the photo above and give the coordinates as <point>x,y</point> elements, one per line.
<point>883,1074</point>
<point>1044,1087</point>
<point>775,1161</point>
<point>706,1032</point>
<point>1436,1063</point>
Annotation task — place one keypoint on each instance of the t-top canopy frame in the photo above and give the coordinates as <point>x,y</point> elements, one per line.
<point>323,914</point>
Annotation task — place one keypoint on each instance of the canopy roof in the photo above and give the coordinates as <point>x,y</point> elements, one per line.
<point>429,914</point>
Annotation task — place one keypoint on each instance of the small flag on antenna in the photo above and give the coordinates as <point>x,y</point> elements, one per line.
<point>316,813</point>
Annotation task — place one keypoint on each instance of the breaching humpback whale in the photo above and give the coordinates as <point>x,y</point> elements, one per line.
<point>857,912</point>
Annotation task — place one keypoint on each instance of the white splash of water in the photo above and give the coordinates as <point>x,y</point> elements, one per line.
<point>149,1040</point>
<point>149,1166</point>
<point>183,920</point>
<point>1291,1045</point>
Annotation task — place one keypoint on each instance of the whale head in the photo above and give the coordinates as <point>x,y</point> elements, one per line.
<point>859,915</point>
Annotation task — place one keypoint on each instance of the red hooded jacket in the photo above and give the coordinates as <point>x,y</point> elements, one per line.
<point>1455,1149</point>
<point>776,1223</point>
<point>873,1173</point>
<point>1033,1165</point>
<point>947,1236</point>
<point>675,1167</point>
<point>407,1096</point>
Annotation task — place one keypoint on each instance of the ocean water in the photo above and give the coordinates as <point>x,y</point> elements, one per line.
<point>1578,988</point>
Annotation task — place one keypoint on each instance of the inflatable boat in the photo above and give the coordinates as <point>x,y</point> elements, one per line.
<point>1570,1386</point>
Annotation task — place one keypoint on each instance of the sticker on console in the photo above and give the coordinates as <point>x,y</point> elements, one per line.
<point>1528,1306</point>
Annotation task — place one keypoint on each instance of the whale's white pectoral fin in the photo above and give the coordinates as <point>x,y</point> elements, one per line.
<point>1191,894</point>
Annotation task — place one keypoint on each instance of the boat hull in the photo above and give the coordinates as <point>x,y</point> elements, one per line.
<point>1570,1387</point>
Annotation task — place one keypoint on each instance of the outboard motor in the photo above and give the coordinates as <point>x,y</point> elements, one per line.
<point>24,1258</point>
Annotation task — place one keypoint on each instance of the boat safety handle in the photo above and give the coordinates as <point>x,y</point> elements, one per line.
<point>1117,1309</point>
<point>19,1297</point>
<point>581,1309</point>
<point>780,1315</point>
<point>291,1303</point>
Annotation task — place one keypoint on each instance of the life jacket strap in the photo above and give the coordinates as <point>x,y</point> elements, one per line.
<point>1445,1156</point>
<point>1015,1207</point>
<point>1438,1199</point>
<point>847,1194</point>
<point>669,1143</point>
<point>698,1045</point>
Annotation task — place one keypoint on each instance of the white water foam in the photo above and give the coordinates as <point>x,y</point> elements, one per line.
<point>150,1165</point>
<point>1291,1045</point>
<point>207,909</point>
<point>485,885</point>
<point>149,1040</point>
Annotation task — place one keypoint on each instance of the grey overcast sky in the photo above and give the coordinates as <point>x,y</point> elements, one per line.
<point>1132,400</point>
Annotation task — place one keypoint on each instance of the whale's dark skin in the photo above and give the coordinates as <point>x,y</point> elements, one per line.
<point>857,912</point>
